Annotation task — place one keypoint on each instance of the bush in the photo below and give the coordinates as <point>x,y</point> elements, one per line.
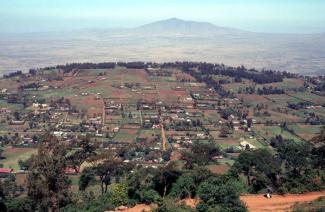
<point>21,204</point>
<point>184,187</point>
<point>215,193</point>
<point>150,196</point>
<point>169,205</point>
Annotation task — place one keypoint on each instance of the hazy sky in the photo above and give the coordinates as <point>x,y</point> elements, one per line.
<point>294,16</point>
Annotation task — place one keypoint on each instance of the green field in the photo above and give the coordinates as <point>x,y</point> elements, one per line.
<point>4,104</point>
<point>13,155</point>
<point>269,132</point>
<point>307,132</point>
<point>307,96</point>
<point>287,84</point>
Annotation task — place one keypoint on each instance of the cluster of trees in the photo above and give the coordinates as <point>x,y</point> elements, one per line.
<point>242,72</point>
<point>269,90</point>
<point>296,168</point>
<point>135,65</point>
<point>299,105</point>
<point>72,66</point>
<point>261,77</point>
<point>292,167</point>
<point>209,81</point>
<point>320,87</point>
<point>29,86</point>
<point>13,74</point>
<point>185,125</point>
<point>225,113</point>
<point>48,187</point>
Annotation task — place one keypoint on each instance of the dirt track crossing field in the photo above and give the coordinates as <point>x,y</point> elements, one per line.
<point>258,203</point>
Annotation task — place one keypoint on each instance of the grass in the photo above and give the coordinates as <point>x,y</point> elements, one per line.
<point>307,132</point>
<point>13,155</point>
<point>317,205</point>
<point>307,96</point>
<point>282,100</point>
<point>226,161</point>
<point>74,182</point>
<point>124,137</point>
<point>4,104</point>
<point>287,84</point>
<point>269,132</point>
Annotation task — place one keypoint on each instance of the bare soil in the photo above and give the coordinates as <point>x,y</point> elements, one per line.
<point>279,203</point>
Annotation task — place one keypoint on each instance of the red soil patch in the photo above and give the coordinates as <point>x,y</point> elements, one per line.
<point>253,97</point>
<point>278,202</point>
<point>139,208</point>
<point>131,126</point>
<point>171,94</point>
<point>16,150</point>
<point>175,156</point>
<point>129,131</point>
<point>191,202</point>
<point>94,106</point>
<point>140,74</point>
<point>218,169</point>
<point>185,76</point>
<point>20,179</point>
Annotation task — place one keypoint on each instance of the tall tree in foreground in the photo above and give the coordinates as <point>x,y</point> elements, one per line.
<point>47,184</point>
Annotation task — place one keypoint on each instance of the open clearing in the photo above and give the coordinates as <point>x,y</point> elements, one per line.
<point>259,203</point>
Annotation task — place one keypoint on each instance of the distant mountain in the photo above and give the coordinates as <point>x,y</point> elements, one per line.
<point>182,27</point>
<point>167,40</point>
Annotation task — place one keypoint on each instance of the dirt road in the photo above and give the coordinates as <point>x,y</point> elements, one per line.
<point>257,203</point>
<point>163,135</point>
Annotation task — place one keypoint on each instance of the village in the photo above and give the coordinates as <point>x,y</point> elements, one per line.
<point>159,110</point>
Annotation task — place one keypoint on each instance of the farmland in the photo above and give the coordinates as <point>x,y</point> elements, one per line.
<point>149,115</point>
<point>126,105</point>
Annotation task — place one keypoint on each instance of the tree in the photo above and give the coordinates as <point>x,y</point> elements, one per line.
<point>224,132</point>
<point>318,152</point>
<point>169,205</point>
<point>259,163</point>
<point>149,196</point>
<point>184,187</point>
<point>86,178</point>
<point>295,156</point>
<point>200,154</point>
<point>47,184</point>
<point>217,195</point>
<point>110,166</point>
<point>319,140</point>
<point>119,194</point>
<point>2,199</point>
<point>79,156</point>
<point>20,204</point>
<point>165,177</point>
<point>318,155</point>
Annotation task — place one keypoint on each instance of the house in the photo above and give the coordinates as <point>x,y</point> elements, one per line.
<point>16,122</point>
<point>70,171</point>
<point>38,106</point>
<point>5,110</point>
<point>6,171</point>
<point>244,144</point>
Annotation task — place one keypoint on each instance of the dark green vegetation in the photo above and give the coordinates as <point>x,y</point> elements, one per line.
<point>93,137</point>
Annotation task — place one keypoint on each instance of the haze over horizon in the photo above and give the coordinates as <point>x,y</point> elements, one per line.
<point>270,16</point>
<point>223,31</point>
